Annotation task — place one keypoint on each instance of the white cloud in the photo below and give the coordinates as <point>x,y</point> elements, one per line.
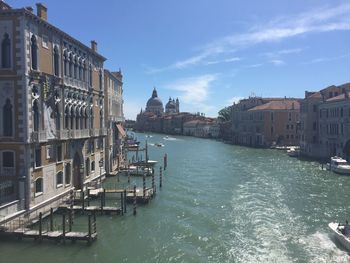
<point>326,19</point>
<point>277,62</point>
<point>194,92</point>
<point>228,60</point>
<point>323,59</point>
<point>193,89</point>
<point>258,65</point>
<point>279,53</point>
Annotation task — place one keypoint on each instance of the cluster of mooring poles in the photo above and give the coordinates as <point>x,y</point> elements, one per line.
<point>60,224</point>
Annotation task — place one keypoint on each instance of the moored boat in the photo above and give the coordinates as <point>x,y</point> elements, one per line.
<point>339,165</point>
<point>342,233</point>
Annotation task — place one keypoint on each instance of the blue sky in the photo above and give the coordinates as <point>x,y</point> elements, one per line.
<point>211,53</point>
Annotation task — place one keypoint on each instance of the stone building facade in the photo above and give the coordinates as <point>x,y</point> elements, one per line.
<point>262,122</point>
<point>52,125</point>
<point>114,121</point>
<point>312,143</point>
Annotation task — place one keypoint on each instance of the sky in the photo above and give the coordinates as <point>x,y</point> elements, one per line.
<point>210,53</point>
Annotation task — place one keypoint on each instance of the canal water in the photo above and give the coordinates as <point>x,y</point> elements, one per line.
<point>218,203</point>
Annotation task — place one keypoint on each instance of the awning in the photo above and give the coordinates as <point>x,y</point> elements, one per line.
<point>121,130</point>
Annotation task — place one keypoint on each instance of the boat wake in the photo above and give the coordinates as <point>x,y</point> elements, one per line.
<point>321,248</point>
<point>167,138</point>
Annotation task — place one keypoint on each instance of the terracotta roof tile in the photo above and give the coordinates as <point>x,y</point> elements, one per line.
<point>278,105</point>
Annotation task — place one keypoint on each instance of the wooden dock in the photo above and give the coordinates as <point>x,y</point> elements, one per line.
<point>21,231</point>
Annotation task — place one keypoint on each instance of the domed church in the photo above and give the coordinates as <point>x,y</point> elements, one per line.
<point>154,104</point>
<point>172,106</point>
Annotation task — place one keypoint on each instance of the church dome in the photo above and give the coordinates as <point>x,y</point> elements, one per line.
<point>154,102</point>
<point>170,105</point>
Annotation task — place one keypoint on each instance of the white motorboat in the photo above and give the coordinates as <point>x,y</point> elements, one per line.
<point>342,233</point>
<point>339,165</point>
<point>138,170</point>
<point>293,152</point>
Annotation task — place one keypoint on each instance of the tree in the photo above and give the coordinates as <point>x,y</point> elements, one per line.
<point>225,114</point>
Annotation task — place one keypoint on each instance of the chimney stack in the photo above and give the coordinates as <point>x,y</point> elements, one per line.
<point>30,9</point>
<point>41,11</point>
<point>94,45</point>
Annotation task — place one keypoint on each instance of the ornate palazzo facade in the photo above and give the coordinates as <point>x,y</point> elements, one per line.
<point>52,118</point>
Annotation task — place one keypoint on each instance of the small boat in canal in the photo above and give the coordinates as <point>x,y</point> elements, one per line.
<point>138,170</point>
<point>339,165</point>
<point>159,144</point>
<point>293,152</point>
<point>342,233</point>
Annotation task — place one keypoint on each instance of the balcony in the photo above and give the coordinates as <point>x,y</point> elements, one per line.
<point>103,132</point>
<point>38,136</point>
<point>62,134</point>
<point>75,134</point>
<point>94,132</point>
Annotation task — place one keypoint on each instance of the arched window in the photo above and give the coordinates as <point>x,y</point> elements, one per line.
<point>36,115</point>
<point>56,61</point>
<point>58,117</point>
<point>66,63</point>
<point>66,117</point>
<point>71,65</point>
<point>100,79</point>
<point>59,179</point>
<point>39,186</point>
<point>77,117</point>
<point>80,69</point>
<point>91,118</point>
<point>72,118</point>
<point>7,118</point>
<point>34,50</point>
<point>93,166</point>
<point>90,75</point>
<point>84,72</point>
<point>6,52</point>
<point>67,173</point>
<point>75,68</point>
<point>101,118</point>
<point>87,166</point>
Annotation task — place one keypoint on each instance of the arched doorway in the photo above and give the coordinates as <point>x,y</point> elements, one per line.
<point>77,175</point>
<point>346,150</point>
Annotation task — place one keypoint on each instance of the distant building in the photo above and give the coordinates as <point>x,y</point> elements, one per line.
<point>261,122</point>
<point>114,121</point>
<point>172,106</point>
<point>324,122</point>
<point>155,104</point>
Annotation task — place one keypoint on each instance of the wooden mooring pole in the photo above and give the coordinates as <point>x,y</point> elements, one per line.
<point>153,183</point>
<point>135,199</point>
<point>144,185</point>
<point>51,219</point>
<point>64,227</point>
<point>40,226</point>
<point>124,201</point>
<point>160,177</point>
<point>165,161</point>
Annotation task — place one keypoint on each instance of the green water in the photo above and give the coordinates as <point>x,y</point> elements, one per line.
<point>219,203</point>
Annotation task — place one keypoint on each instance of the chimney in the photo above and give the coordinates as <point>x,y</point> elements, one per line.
<point>41,11</point>
<point>30,9</point>
<point>94,45</point>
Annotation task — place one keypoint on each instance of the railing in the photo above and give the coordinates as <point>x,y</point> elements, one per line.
<point>94,132</point>
<point>38,136</point>
<point>75,83</point>
<point>85,133</point>
<point>103,131</point>
<point>62,134</point>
